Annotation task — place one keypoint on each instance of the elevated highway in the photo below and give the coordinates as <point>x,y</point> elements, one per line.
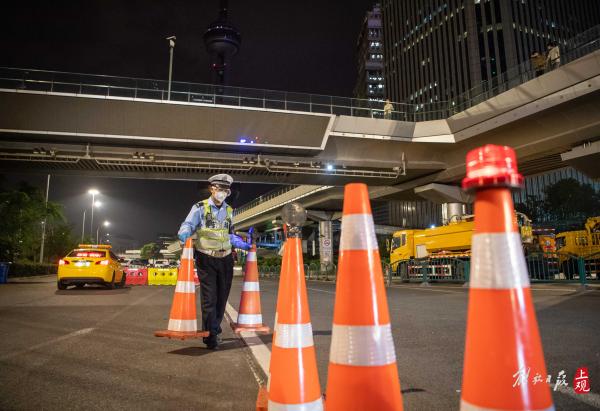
<point>142,137</point>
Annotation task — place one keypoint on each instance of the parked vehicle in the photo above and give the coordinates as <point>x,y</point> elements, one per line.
<point>90,264</point>
<point>447,248</point>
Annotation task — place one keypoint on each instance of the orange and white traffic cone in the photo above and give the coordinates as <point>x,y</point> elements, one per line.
<point>293,380</point>
<point>182,321</point>
<point>503,350</point>
<point>362,360</point>
<point>250,317</point>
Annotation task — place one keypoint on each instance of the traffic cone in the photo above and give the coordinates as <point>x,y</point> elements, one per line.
<point>293,380</point>
<point>362,360</point>
<point>249,316</point>
<point>503,350</point>
<point>182,321</point>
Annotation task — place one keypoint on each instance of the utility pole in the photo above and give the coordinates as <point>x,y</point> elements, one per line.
<point>171,48</point>
<point>93,192</point>
<point>45,220</point>
<point>83,225</point>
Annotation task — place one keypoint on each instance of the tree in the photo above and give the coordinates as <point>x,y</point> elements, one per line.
<point>23,212</point>
<point>150,250</point>
<point>533,207</point>
<point>570,202</point>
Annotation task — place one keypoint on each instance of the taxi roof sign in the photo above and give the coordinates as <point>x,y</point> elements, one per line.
<point>99,246</point>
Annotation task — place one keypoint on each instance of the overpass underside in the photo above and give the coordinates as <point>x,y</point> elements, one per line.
<point>49,131</point>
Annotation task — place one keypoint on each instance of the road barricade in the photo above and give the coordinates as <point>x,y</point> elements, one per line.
<point>136,276</point>
<point>171,276</point>
<point>162,276</point>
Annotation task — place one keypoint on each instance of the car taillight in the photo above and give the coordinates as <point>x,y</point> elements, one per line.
<point>102,262</point>
<point>62,262</point>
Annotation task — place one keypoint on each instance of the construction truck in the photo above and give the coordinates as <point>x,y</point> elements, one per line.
<point>540,254</point>
<point>544,240</point>
<point>572,245</point>
<point>446,249</point>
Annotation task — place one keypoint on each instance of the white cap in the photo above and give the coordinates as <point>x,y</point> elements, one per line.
<point>221,179</point>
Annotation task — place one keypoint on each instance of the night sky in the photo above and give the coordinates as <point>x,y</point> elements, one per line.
<point>303,46</point>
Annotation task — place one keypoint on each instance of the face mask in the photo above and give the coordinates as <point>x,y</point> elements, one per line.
<point>220,196</point>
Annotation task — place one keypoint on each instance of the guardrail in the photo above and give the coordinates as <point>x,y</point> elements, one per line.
<point>542,267</point>
<point>262,198</point>
<point>136,88</point>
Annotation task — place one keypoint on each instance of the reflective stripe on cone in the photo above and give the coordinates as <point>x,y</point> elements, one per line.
<point>362,373</point>
<point>249,313</point>
<point>182,319</point>
<point>293,379</point>
<point>502,338</point>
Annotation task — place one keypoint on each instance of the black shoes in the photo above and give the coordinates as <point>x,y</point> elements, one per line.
<point>212,342</point>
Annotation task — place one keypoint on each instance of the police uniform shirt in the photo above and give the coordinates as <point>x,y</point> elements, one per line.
<point>196,215</point>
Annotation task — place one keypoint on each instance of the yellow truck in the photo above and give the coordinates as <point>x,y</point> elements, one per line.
<point>585,243</point>
<point>447,247</point>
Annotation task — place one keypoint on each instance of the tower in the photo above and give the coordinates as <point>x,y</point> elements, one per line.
<point>222,41</point>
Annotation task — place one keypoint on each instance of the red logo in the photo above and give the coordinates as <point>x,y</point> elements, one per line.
<point>581,382</point>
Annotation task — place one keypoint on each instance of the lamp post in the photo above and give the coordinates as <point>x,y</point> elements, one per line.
<point>83,225</point>
<point>105,224</point>
<point>94,193</point>
<point>171,49</point>
<point>45,220</point>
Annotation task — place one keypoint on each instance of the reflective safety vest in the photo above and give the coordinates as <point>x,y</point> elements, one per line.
<point>213,234</point>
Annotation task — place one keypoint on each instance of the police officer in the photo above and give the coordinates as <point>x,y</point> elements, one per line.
<point>211,221</point>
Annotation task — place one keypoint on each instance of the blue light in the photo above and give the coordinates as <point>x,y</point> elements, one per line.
<point>242,140</point>
<point>432,226</point>
<point>251,141</point>
<point>329,167</point>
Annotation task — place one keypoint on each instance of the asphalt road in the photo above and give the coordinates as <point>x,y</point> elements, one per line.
<point>429,323</point>
<point>94,348</point>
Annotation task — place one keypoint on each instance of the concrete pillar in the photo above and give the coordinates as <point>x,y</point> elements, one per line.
<point>326,243</point>
<point>452,212</point>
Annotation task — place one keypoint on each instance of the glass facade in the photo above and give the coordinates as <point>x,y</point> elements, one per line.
<point>436,50</point>
<point>371,81</point>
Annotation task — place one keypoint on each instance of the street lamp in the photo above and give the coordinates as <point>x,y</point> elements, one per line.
<point>83,225</point>
<point>94,193</point>
<point>96,204</point>
<point>171,48</point>
<point>105,224</point>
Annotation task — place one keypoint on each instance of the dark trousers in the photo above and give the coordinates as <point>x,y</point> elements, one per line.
<point>215,276</point>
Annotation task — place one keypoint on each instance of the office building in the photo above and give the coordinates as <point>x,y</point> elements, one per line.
<point>369,46</point>
<point>435,50</point>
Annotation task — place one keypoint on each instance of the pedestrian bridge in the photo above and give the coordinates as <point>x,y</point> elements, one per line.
<point>65,123</point>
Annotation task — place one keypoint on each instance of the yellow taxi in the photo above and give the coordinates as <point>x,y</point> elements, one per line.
<point>90,264</point>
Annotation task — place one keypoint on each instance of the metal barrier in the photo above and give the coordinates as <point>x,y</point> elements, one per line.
<point>425,270</point>
<point>312,271</point>
<point>563,267</point>
<point>542,267</point>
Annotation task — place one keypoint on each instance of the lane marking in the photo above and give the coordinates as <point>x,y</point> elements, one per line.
<point>77,333</point>
<point>318,289</point>
<point>259,349</point>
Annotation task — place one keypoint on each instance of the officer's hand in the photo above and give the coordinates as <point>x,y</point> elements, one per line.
<point>249,237</point>
<point>183,236</point>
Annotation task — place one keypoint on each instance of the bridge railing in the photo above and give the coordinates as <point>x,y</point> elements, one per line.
<point>262,198</point>
<point>88,84</point>
<point>136,88</point>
